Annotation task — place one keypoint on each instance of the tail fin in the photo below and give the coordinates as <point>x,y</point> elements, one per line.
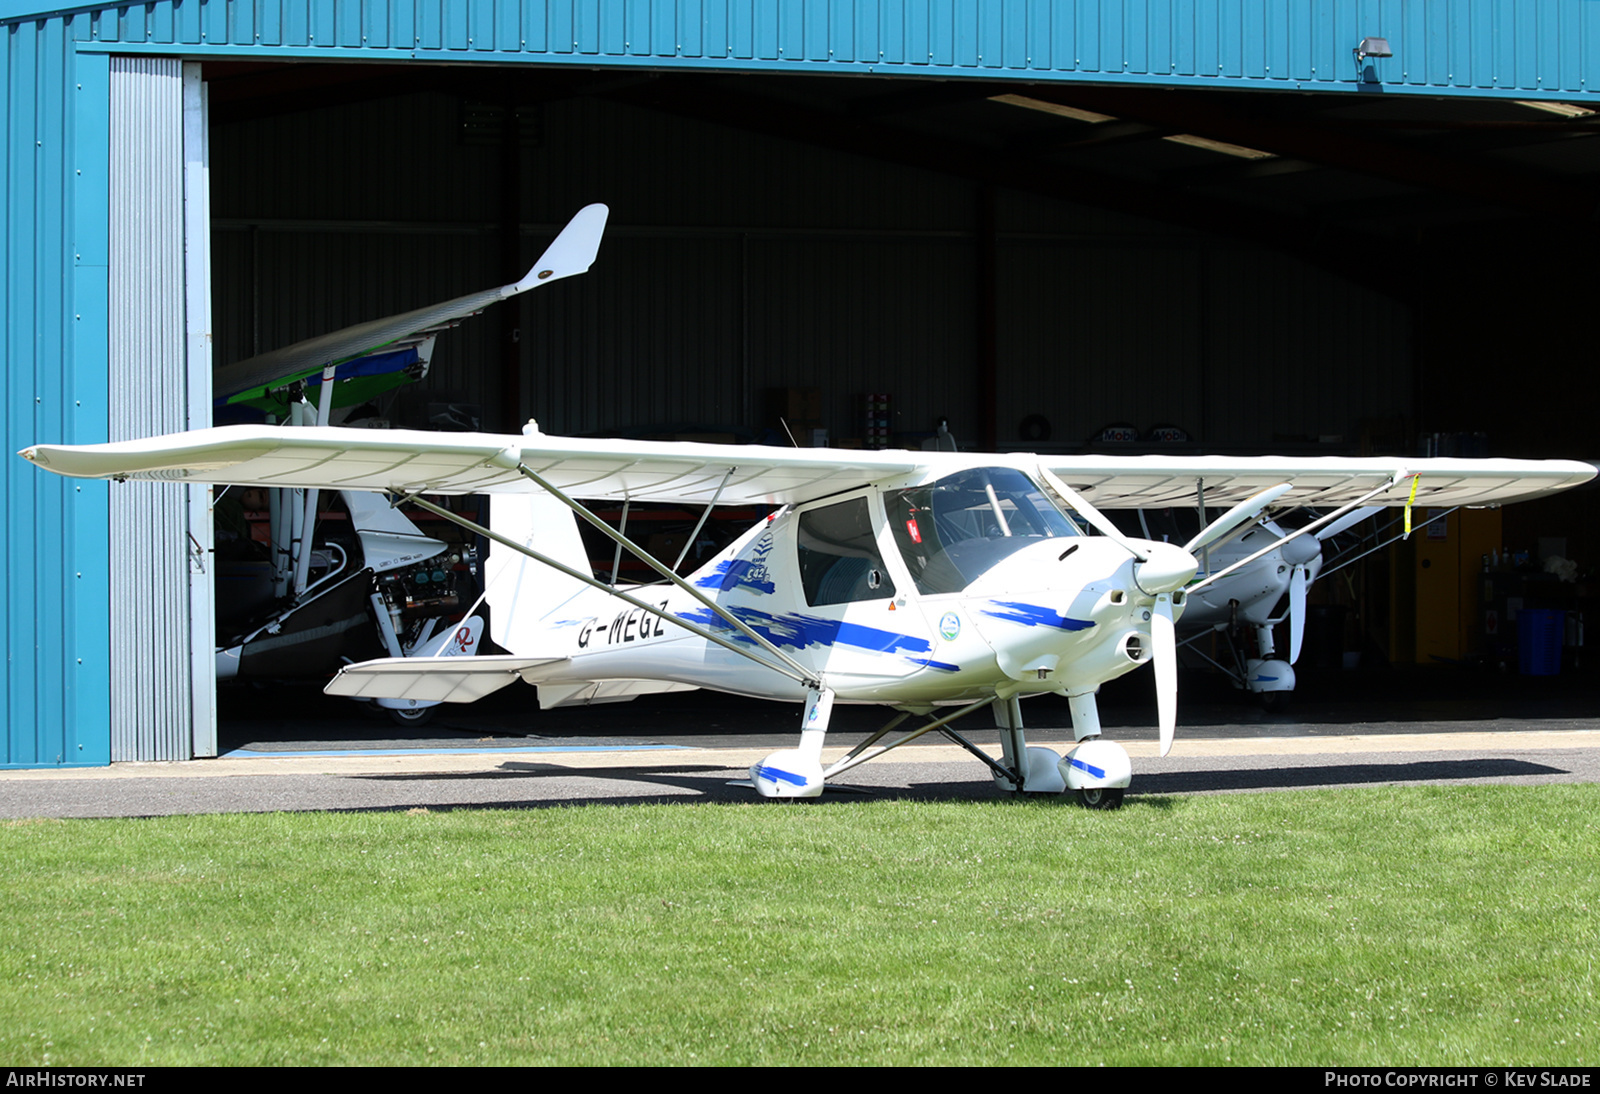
<point>523,593</point>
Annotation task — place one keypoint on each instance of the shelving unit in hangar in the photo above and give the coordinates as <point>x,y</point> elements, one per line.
<point>1279,226</point>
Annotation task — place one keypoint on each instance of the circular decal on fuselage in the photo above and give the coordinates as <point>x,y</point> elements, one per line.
<point>950,626</point>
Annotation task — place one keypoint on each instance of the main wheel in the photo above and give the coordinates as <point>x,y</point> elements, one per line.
<point>1101,797</point>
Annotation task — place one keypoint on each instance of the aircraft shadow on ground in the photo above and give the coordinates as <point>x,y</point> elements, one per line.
<point>693,783</point>
<point>1336,775</point>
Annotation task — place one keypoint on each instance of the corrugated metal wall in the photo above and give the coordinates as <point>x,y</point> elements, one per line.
<point>53,547</point>
<point>736,263</point>
<point>896,315</point>
<point>197,376</point>
<point>150,700</point>
<point>1309,355</point>
<point>712,296</point>
<point>1237,346</point>
<point>1494,47</point>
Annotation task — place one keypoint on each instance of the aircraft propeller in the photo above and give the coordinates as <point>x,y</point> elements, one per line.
<point>1164,653</point>
<point>1163,634</point>
<point>1297,612</point>
<point>1300,553</point>
<point>1246,510</point>
<point>1160,570</point>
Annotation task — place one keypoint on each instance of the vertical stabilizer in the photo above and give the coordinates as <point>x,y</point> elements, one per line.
<point>523,593</point>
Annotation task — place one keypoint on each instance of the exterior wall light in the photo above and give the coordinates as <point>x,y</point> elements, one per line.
<point>1370,47</point>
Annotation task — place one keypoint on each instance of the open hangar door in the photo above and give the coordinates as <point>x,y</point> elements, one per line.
<point>1303,274</point>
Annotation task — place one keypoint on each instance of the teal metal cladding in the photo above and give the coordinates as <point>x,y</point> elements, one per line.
<point>54,211</point>
<point>1495,47</point>
<point>55,550</point>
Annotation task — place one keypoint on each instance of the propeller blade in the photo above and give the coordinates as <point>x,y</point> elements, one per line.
<point>1248,509</point>
<point>1089,513</point>
<point>1348,521</point>
<point>1297,612</point>
<point>1164,652</point>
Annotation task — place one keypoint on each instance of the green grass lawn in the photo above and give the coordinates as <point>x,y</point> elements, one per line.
<point>1379,926</point>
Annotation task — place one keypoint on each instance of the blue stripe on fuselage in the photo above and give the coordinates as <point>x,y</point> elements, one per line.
<point>799,631</point>
<point>1034,615</point>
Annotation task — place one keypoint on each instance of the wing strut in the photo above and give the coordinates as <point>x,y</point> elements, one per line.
<point>789,668</point>
<point>1089,513</point>
<point>1340,563</point>
<point>302,564</point>
<point>798,671</point>
<point>1388,484</point>
<point>616,557</point>
<point>688,543</point>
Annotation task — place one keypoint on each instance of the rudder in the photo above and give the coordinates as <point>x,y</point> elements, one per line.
<point>522,593</point>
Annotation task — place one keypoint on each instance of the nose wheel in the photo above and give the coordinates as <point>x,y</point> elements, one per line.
<point>1097,771</point>
<point>1100,797</point>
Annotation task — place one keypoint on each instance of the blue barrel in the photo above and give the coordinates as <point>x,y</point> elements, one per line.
<point>1539,636</point>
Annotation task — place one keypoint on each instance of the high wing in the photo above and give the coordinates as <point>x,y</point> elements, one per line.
<point>405,461</point>
<point>1153,482</point>
<point>572,252</point>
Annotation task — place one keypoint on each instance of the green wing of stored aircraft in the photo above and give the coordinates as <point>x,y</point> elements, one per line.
<point>381,354</point>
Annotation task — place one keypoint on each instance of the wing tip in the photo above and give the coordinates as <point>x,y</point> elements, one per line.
<point>572,252</point>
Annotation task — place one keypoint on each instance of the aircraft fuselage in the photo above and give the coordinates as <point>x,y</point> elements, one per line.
<point>831,587</point>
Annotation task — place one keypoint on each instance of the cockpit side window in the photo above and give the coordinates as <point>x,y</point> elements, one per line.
<point>838,555</point>
<point>955,529</point>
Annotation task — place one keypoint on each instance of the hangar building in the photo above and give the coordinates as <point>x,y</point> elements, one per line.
<point>1287,227</point>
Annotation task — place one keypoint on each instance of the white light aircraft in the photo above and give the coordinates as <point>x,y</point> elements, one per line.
<point>932,583</point>
<point>1242,605</point>
<point>918,581</point>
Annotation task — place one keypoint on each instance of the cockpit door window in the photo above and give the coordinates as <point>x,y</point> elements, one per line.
<point>838,555</point>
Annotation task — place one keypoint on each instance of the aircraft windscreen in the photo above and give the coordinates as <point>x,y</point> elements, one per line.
<point>953,531</point>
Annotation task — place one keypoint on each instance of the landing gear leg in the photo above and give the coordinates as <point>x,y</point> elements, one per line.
<point>1037,766</point>
<point>1085,716</point>
<point>1271,679</point>
<point>797,772</point>
<point>1264,643</point>
<point>1097,771</point>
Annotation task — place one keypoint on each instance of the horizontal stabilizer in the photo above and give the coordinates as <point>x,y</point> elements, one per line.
<point>440,679</point>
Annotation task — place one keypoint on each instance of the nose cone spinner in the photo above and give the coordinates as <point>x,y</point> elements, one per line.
<point>1166,569</point>
<point>1302,550</point>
